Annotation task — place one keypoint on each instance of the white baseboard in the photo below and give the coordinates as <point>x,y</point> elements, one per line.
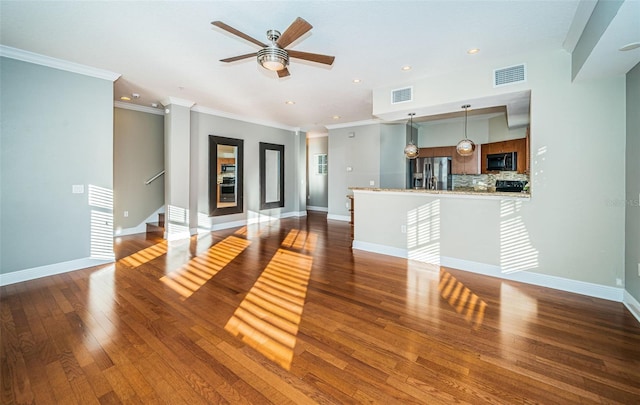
<point>632,305</point>
<point>543,280</point>
<point>321,209</point>
<point>335,217</point>
<point>294,214</point>
<point>232,224</point>
<point>257,219</point>
<point>375,248</point>
<point>50,270</point>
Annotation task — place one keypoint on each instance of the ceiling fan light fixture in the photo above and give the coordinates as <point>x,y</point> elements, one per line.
<point>273,58</point>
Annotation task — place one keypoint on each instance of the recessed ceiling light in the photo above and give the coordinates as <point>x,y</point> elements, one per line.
<point>289,102</point>
<point>336,117</point>
<point>154,105</point>
<point>630,47</point>
<point>357,80</point>
<point>135,95</point>
<point>125,98</point>
<point>473,51</point>
<point>406,67</point>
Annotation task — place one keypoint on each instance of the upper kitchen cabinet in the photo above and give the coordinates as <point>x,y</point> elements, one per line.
<point>437,151</point>
<point>514,145</point>
<point>459,164</point>
<point>466,164</point>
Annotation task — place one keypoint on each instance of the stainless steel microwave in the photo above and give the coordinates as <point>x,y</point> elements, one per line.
<point>502,161</point>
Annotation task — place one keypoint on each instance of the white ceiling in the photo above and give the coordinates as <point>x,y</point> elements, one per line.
<point>170,49</point>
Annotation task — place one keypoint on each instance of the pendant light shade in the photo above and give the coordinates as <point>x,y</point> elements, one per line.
<point>466,146</point>
<point>411,150</point>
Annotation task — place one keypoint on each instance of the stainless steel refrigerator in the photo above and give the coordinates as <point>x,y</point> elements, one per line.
<point>431,173</point>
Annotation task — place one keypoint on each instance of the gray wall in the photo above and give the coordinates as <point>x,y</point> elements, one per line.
<point>362,154</point>
<point>318,184</point>
<point>203,125</point>
<point>632,228</point>
<point>138,155</point>
<point>56,131</point>
<point>393,164</point>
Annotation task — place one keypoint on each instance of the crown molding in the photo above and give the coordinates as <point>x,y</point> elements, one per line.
<point>137,107</point>
<point>354,124</point>
<point>35,58</point>
<point>224,114</point>
<point>177,101</point>
<point>317,135</point>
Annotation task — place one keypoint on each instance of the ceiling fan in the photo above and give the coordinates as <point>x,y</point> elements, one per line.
<point>275,56</point>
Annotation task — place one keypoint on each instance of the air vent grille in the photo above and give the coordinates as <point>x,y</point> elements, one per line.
<point>402,95</point>
<point>509,75</point>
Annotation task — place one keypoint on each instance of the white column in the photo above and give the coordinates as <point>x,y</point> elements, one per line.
<point>177,165</point>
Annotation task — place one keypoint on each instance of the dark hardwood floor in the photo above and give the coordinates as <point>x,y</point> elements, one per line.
<point>287,313</point>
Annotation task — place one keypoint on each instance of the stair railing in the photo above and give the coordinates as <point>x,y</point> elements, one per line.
<point>153,178</point>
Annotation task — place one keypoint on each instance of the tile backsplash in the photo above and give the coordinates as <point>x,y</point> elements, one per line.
<point>487,180</point>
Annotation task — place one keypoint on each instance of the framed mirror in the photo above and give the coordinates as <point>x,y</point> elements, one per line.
<point>271,175</point>
<point>225,175</point>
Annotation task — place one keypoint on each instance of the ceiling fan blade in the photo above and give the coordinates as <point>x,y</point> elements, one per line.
<point>313,57</point>
<point>297,29</point>
<point>283,73</point>
<point>235,32</point>
<point>239,57</point>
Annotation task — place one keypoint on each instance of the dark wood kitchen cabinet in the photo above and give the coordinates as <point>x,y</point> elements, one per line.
<point>466,164</point>
<point>513,145</point>
<point>459,164</point>
<point>437,151</point>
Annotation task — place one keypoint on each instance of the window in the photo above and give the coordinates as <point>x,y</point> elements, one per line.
<point>321,163</point>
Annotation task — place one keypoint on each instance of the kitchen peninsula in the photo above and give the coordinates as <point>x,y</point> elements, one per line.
<point>466,192</point>
<point>479,231</point>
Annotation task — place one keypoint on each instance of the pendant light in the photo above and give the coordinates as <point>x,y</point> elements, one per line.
<point>411,150</point>
<point>466,146</point>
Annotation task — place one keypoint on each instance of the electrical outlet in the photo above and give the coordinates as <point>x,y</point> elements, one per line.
<point>126,214</point>
<point>638,269</point>
<point>372,182</point>
<point>619,282</point>
<point>403,228</point>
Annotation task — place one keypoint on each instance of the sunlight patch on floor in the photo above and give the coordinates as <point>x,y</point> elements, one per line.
<point>269,316</point>
<point>462,299</point>
<point>300,240</point>
<point>145,255</point>
<point>194,274</point>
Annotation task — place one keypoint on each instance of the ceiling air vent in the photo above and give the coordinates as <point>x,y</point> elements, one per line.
<point>402,95</point>
<point>509,75</point>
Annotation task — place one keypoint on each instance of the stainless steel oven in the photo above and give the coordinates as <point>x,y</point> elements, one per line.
<point>228,189</point>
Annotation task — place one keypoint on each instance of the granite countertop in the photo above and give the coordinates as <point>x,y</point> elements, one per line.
<point>460,191</point>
